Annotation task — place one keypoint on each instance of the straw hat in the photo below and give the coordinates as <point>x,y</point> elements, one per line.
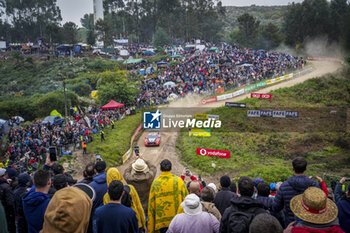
<point>192,205</point>
<point>140,165</point>
<point>314,207</point>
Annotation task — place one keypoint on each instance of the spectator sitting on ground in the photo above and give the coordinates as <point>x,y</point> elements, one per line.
<point>115,217</point>
<point>233,220</point>
<point>114,174</point>
<point>208,195</point>
<point>295,185</point>
<point>223,198</point>
<point>193,219</point>
<point>343,205</point>
<point>36,201</point>
<point>265,223</point>
<point>89,173</point>
<point>167,191</point>
<point>314,213</point>
<point>69,210</point>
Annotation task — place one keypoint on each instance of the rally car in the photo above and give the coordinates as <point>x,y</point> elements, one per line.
<point>152,139</point>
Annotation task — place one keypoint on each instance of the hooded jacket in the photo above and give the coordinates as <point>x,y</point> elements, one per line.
<point>99,184</point>
<point>68,211</point>
<point>114,174</point>
<point>23,183</point>
<point>306,227</point>
<point>295,185</point>
<point>34,207</point>
<point>243,204</point>
<point>222,199</point>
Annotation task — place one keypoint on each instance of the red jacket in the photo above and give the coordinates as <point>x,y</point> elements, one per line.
<point>334,229</point>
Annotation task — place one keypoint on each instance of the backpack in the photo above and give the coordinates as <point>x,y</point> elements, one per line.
<point>239,222</point>
<point>126,198</point>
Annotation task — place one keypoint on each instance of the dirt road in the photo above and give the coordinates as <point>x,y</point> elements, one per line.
<point>167,149</point>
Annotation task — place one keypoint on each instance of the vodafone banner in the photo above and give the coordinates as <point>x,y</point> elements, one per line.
<point>260,96</point>
<point>209,100</point>
<point>213,153</point>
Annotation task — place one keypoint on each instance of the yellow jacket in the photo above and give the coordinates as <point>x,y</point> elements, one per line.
<point>114,174</point>
<point>167,193</point>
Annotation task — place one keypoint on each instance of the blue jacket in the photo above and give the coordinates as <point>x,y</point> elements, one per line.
<point>34,207</point>
<point>115,218</point>
<point>343,208</point>
<point>99,184</point>
<point>295,185</point>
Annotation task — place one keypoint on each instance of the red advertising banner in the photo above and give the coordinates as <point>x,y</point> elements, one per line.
<point>220,90</point>
<point>260,96</point>
<point>213,153</point>
<point>209,100</point>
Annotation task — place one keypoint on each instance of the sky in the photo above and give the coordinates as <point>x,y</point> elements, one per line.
<point>73,10</point>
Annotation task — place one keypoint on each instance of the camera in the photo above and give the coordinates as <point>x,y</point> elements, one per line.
<point>98,157</point>
<point>137,150</point>
<point>187,171</point>
<point>347,179</point>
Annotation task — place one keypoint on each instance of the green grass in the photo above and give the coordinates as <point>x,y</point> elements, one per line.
<point>117,141</point>
<point>264,147</point>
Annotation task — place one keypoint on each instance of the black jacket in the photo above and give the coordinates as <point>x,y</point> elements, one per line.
<point>223,198</point>
<point>242,204</point>
<point>8,201</point>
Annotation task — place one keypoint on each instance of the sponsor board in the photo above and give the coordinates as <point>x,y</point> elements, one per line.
<point>213,153</point>
<point>126,156</point>
<point>267,113</point>
<point>223,97</point>
<point>209,100</point>
<point>201,116</point>
<point>235,105</point>
<point>215,117</point>
<point>200,132</point>
<point>237,93</point>
<point>260,95</point>
<point>220,90</point>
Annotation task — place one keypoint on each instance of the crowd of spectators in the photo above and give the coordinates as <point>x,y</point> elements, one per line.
<point>205,71</point>
<point>104,202</point>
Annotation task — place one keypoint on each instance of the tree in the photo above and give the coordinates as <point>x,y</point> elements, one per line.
<point>104,32</point>
<point>88,21</point>
<point>69,32</point>
<point>249,29</point>
<point>271,36</point>
<point>91,37</point>
<point>161,38</point>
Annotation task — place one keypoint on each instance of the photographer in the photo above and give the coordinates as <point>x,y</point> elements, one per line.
<point>187,172</point>
<point>141,175</point>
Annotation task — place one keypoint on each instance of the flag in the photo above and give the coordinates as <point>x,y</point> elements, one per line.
<point>55,113</point>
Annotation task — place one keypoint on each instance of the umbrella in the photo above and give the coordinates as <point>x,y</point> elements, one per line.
<point>169,84</point>
<point>18,118</point>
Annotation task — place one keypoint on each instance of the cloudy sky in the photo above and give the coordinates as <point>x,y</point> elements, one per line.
<point>73,10</point>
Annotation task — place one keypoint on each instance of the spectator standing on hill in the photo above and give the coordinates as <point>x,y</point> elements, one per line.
<point>314,213</point>
<point>243,209</point>
<point>294,185</point>
<point>99,183</point>
<point>24,182</point>
<point>167,193</point>
<point>187,172</point>
<point>115,217</point>
<point>223,198</point>
<point>193,219</point>
<point>343,205</point>
<point>141,175</point>
<point>208,195</point>
<point>130,197</point>
<point>265,223</point>
<point>88,174</point>
<point>7,200</point>
<point>36,201</point>
<point>102,134</point>
<point>69,210</point>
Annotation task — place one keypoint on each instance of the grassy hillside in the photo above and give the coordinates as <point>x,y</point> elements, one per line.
<point>264,147</point>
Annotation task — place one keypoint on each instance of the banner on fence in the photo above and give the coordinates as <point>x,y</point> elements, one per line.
<point>235,105</point>
<point>267,113</point>
<point>200,132</point>
<point>260,96</point>
<point>209,100</point>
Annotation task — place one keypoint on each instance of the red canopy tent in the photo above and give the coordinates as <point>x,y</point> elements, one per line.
<point>112,104</point>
